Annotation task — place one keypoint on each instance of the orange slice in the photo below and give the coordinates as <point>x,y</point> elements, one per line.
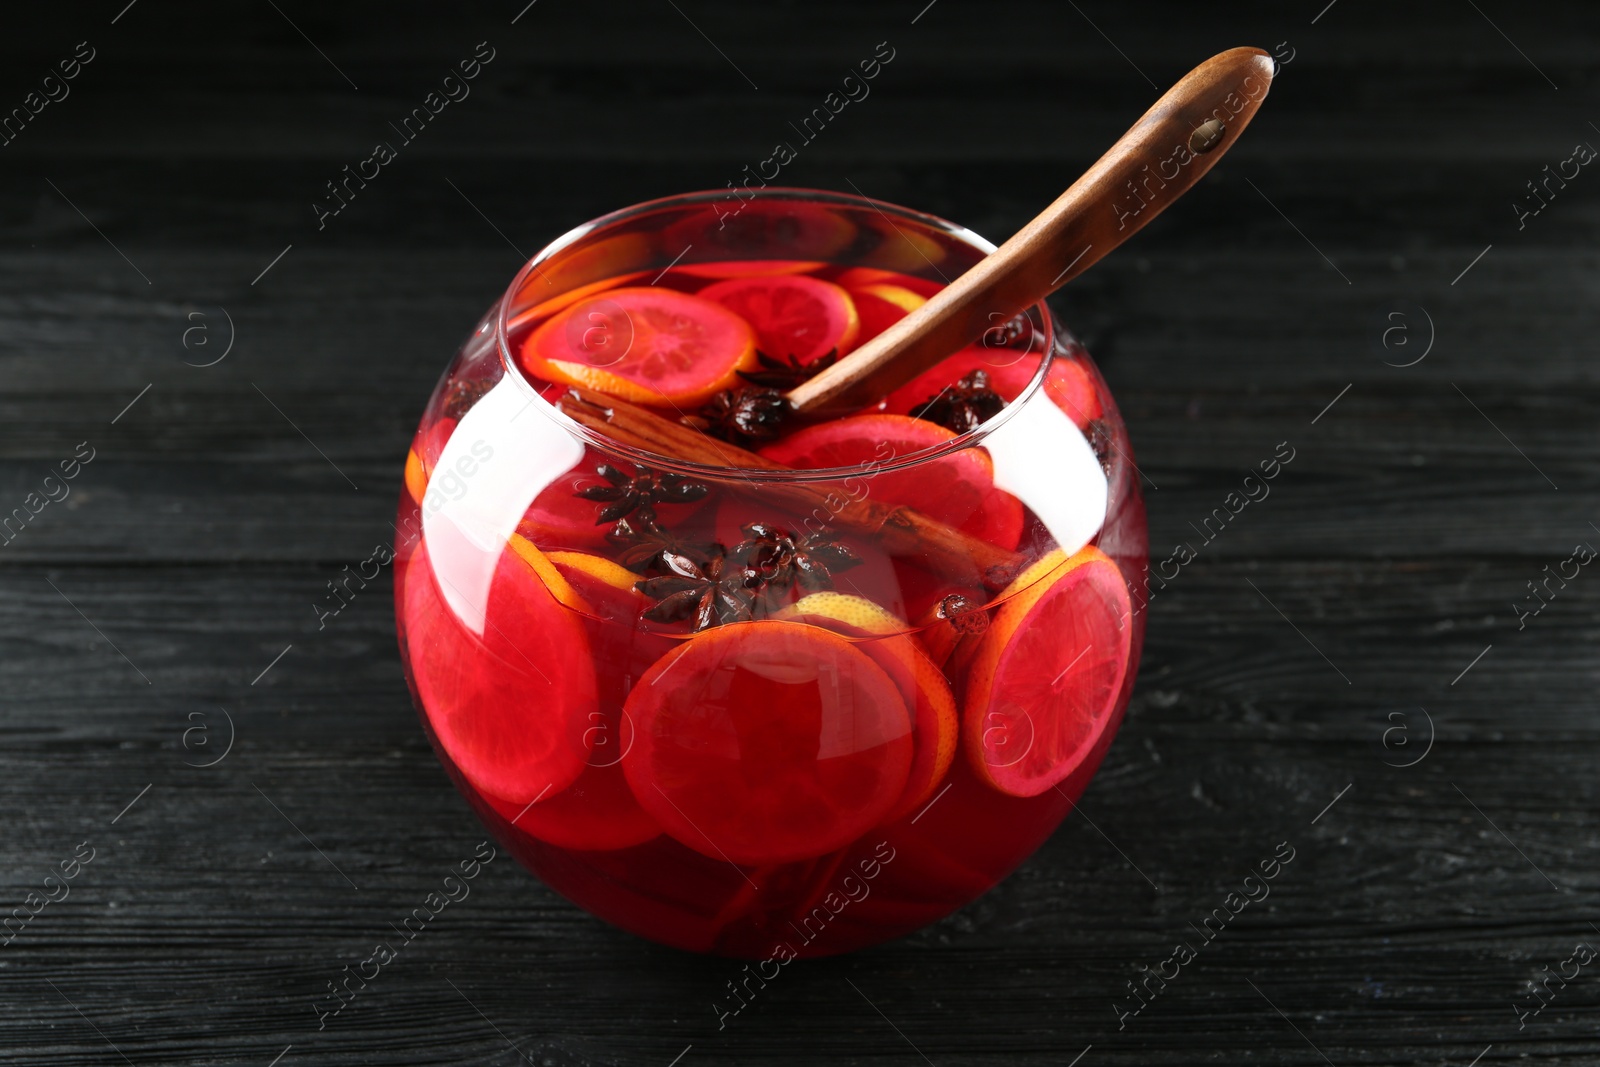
<point>1069,384</point>
<point>1044,683</point>
<point>649,345</point>
<point>767,742</point>
<point>623,646</point>
<point>957,488</point>
<point>935,724</point>
<point>861,277</point>
<point>898,295</point>
<point>510,708</point>
<point>881,306</point>
<point>602,570</point>
<point>794,316</point>
<point>547,573</point>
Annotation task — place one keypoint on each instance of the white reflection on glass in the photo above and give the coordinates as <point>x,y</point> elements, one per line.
<point>501,455</point>
<point>1042,458</point>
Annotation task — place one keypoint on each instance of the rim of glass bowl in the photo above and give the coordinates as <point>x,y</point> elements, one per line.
<point>683,466</point>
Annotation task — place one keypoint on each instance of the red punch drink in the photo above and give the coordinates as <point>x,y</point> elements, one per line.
<point>744,682</point>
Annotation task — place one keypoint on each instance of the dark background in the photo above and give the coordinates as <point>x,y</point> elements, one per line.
<point>191,550</point>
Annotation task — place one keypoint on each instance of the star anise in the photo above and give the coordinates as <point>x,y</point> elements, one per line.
<point>780,560</point>
<point>786,374</point>
<point>462,395</point>
<point>642,545</point>
<point>964,406</point>
<point>748,415</point>
<point>640,493</point>
<point>767,552</point>
<point>713,592</point>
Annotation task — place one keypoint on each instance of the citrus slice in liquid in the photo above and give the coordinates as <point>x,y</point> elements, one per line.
<point>793,315</point>
<point>935,727</point>
<point>510,708</point>
<point>596,811</point>
<point>1044,683</point>
<point>611,580</point>
<point>648,345</point>
<point>1069,383</point>
<point>861,277</point>
<point>767,742</point>
<point>622,644</point>
<point>881,306</point>
<point>957,489</point>
<point>547,572</point>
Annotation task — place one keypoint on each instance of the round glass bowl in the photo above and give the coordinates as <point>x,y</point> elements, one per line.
<point>784,704</point>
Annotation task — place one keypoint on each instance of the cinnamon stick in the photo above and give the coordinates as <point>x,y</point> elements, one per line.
<point>902,531</point>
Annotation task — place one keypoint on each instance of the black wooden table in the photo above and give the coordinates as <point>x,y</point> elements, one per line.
<point>1353,670</point>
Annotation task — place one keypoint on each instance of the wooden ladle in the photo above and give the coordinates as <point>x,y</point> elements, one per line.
<point>1169,149</point>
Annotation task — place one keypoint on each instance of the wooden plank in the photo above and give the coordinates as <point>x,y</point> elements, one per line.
<point>1398,543</point>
